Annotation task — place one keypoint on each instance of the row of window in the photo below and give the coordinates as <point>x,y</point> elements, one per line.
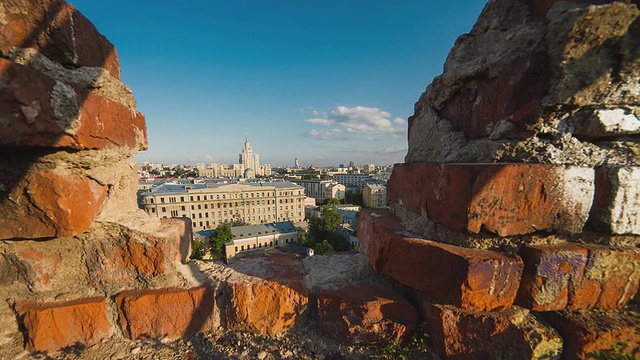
<point>231,196</point>
<point>224,197</point>
<point>249,247</point>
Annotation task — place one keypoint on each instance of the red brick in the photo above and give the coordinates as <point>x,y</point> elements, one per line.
<point>551,272</point>
<point>53,326</point>
<point>515,95</point>
<point>610,279</point>
<point>511,334</point>
<point>125,255</point>
<point>365,314</point>
<point>57,30</point>
<point>616,204</point>
<point>165,313</point>
<point>578,277</point>
<point>587,332</point>
<point>50,204</point>
<point>474,279</point>
<point>505,199</point>
<point>40,266</point>
<point>29,105</point>
<point>269,298</point>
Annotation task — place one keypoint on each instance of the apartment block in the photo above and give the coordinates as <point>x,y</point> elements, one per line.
<point>210,203</point>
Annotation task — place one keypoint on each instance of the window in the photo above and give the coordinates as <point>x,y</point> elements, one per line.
<point>162,200</point>
<point>199,206</point>
<point>191,198</point>
<point>164,209</point>
<point>174,213</point>
<point>183,208</point>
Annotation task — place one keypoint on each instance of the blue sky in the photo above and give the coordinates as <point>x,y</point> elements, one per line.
<point>325,81</point>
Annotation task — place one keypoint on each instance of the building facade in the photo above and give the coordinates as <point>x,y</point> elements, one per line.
<point>322,189</point>
<point>374,195</point>
<point>353,182</point>
<point>260,237</point>
<point>209,203</point>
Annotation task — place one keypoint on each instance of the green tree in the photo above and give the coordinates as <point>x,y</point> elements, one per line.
<point>197,249</point>
<point>323,248</point>
<point>310,177</point>
<point>222,236</point>
<point>325,228</point>
<point>331,201</point>
<point>354,198</point>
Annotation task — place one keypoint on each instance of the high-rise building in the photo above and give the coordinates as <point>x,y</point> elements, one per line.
<point>249,161</point>
<point>297,164</point>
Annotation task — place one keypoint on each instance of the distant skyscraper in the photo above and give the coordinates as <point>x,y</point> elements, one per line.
<point>297,164</point>
<point>249,161</point>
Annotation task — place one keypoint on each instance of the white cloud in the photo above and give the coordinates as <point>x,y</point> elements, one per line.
<point>326,134</point>
<point>208,158</point>
<point>358,120</point>
<point>320,121</point>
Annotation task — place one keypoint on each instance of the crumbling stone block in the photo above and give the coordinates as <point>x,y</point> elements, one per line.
<point>269,298</point>
<point>59,31</point>
<point>588,332</point>
<point>54,326</point>
<point>504,199</point>
<point>616,206</point>
<point>578,277</point>
<point>50,203</point>
<point>365,314</point>
<point>473,279</point>
<point>42,111</point>
<point>165,313</point>
<point>511,334</point>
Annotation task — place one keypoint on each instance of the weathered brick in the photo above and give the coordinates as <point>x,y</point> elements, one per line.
<point>165,313</point>
<point>616,206</point>
<point>50,204</point>
<point>41,111</point>
<point>125,255</point>
<point>59,31</point>
<point>511,334</point>
<point>610,280</point>
<point>505,199</point>
<point>551,272</point>
<point>365,314</point>
<point>54,326</point>
<point>578,277</point>
<point>586,332</point>
<point>514,96</point>
<point>269,298</point>
<point>474,279</point>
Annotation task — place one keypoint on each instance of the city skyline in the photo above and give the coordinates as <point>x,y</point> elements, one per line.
<point>327,83</point>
